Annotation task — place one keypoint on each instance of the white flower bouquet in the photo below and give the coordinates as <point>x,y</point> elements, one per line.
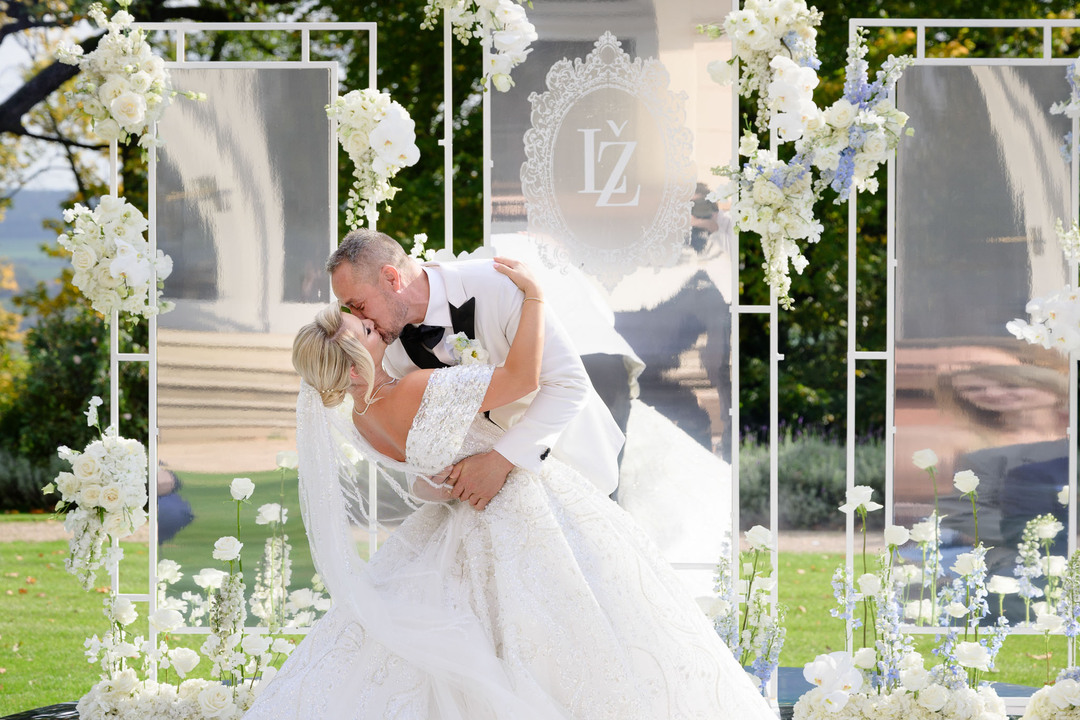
<point>776,201</point>
<point>104,496</point>
<point>380,138</point>
<point>761,31</point>
<point>122,85</point>
<point>854,135</point>
<point>1055,321</point>
<point>501,26</point>
<point>466,351</point>
<point>112,261</point>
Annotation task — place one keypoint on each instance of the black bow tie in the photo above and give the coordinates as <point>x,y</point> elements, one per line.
<point>419,341</point>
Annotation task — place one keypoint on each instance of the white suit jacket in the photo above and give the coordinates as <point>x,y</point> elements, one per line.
<point>565,415</point>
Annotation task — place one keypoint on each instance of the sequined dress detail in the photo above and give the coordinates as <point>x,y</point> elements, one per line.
<point>584,614</point>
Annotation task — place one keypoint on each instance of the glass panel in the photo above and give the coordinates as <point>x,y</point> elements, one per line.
<point>648,309</point>
<point>977,196</point>
<point>244,209</point>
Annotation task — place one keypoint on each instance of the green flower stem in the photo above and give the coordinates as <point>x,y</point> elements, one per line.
<point>975,514</point>
<point>937,546</point>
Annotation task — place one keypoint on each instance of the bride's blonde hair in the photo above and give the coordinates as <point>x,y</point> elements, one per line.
<point>323,353</point>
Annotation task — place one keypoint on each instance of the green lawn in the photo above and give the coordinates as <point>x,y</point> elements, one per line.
<point>215,516</point>
<point>45,616</point>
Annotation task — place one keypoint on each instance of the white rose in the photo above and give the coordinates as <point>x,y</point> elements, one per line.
<point>165,620</point>
<point>129,110</point>
<point>1049,623</point>
<point>107,129</point>
<point>859,497</point>
<point>924,459</point>
<point>83,258</point>
<point>922,532</point>
<point>123,611</point>
<point>1054,565</point>
<point>90,496</point>
<point>876,145</point>
<point>355,144</point>
<point>973,655</point>
<point>215,701</point>
<point>869,584</point>
<point>1045,531</point>
<point>956,610</point>
<point>241,488</point>
<point>255,644</point>
<point>183,660</point>
<point>765,192</point>
<point>966,564</point>
<point>288,460</point>
<point>722,72</point>
<point>896,535</point>
<point>841,114</point>
<point>865,658</point>
<point>86,469</point>
<point>67,485</point>
<point>168,571</point>
<point>227,548</point>
<point>271,513</point>
<point>759,538</point>
<point>1063,496</point>
<point>1002,585</point>
<point>966,481</point>
<point>112,497</point>
<point>915,679</point>
<point>209,578</point>
<point>918,609</point>
<point>933,697</point>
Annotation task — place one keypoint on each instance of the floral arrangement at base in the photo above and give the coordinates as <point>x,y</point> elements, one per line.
<point>885,678</point>
<point>501,26</point>
<point>742,613</point>
<point>240,662</point>
<point>122,85</point>
<point>112,261</point>
<point>103,496</point>
<point>380,138</point>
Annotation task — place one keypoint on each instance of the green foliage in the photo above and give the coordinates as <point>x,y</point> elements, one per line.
<point>68,362</point>
<point>813,335</point>
<point>812,481</point>
<point>21,482</point>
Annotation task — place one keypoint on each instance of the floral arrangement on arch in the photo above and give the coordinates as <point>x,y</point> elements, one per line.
<point>501,26</point>
<point>774,42</point>
<point>123,86</point>
<point>103,497</point>
<point>380,138</point>
<point>113,265</point>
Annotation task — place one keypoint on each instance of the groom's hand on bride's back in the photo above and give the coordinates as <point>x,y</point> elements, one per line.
<point>478,478</point>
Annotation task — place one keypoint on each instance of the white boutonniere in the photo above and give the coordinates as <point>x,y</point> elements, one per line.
<point>467,351</point>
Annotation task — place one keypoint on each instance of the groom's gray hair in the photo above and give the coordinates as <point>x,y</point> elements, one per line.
<point>366,251</point>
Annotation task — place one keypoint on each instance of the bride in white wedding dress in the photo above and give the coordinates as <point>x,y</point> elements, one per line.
<point>549,603</point>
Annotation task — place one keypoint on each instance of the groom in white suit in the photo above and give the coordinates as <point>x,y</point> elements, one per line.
<point>417,307</point>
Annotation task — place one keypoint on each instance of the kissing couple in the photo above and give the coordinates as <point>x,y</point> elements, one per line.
<point>515,588</point>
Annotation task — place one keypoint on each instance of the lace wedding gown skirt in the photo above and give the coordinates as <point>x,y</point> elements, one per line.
<point>585,616</point>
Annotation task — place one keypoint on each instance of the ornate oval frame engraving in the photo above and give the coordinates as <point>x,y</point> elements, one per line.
<point>624,228</point>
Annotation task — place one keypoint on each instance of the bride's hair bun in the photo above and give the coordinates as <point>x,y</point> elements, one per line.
<point>323,353</point>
